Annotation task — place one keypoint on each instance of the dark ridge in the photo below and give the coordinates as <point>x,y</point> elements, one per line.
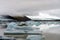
<point>19,18</point>
<point>47,20</point>
<point>7,16</point>
<point>24,18</point>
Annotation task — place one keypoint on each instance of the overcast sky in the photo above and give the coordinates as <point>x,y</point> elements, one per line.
<point>19,7</point>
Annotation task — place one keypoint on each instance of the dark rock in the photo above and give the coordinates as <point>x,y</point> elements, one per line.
<point>19,18</point>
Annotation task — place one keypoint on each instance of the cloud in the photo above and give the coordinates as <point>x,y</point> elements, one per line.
<point>21,7</point>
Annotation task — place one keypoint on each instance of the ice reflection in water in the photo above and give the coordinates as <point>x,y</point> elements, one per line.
<point>47,25</point>
<point>44,25</point>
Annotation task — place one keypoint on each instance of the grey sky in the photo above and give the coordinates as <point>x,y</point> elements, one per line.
<point>19,7</point>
